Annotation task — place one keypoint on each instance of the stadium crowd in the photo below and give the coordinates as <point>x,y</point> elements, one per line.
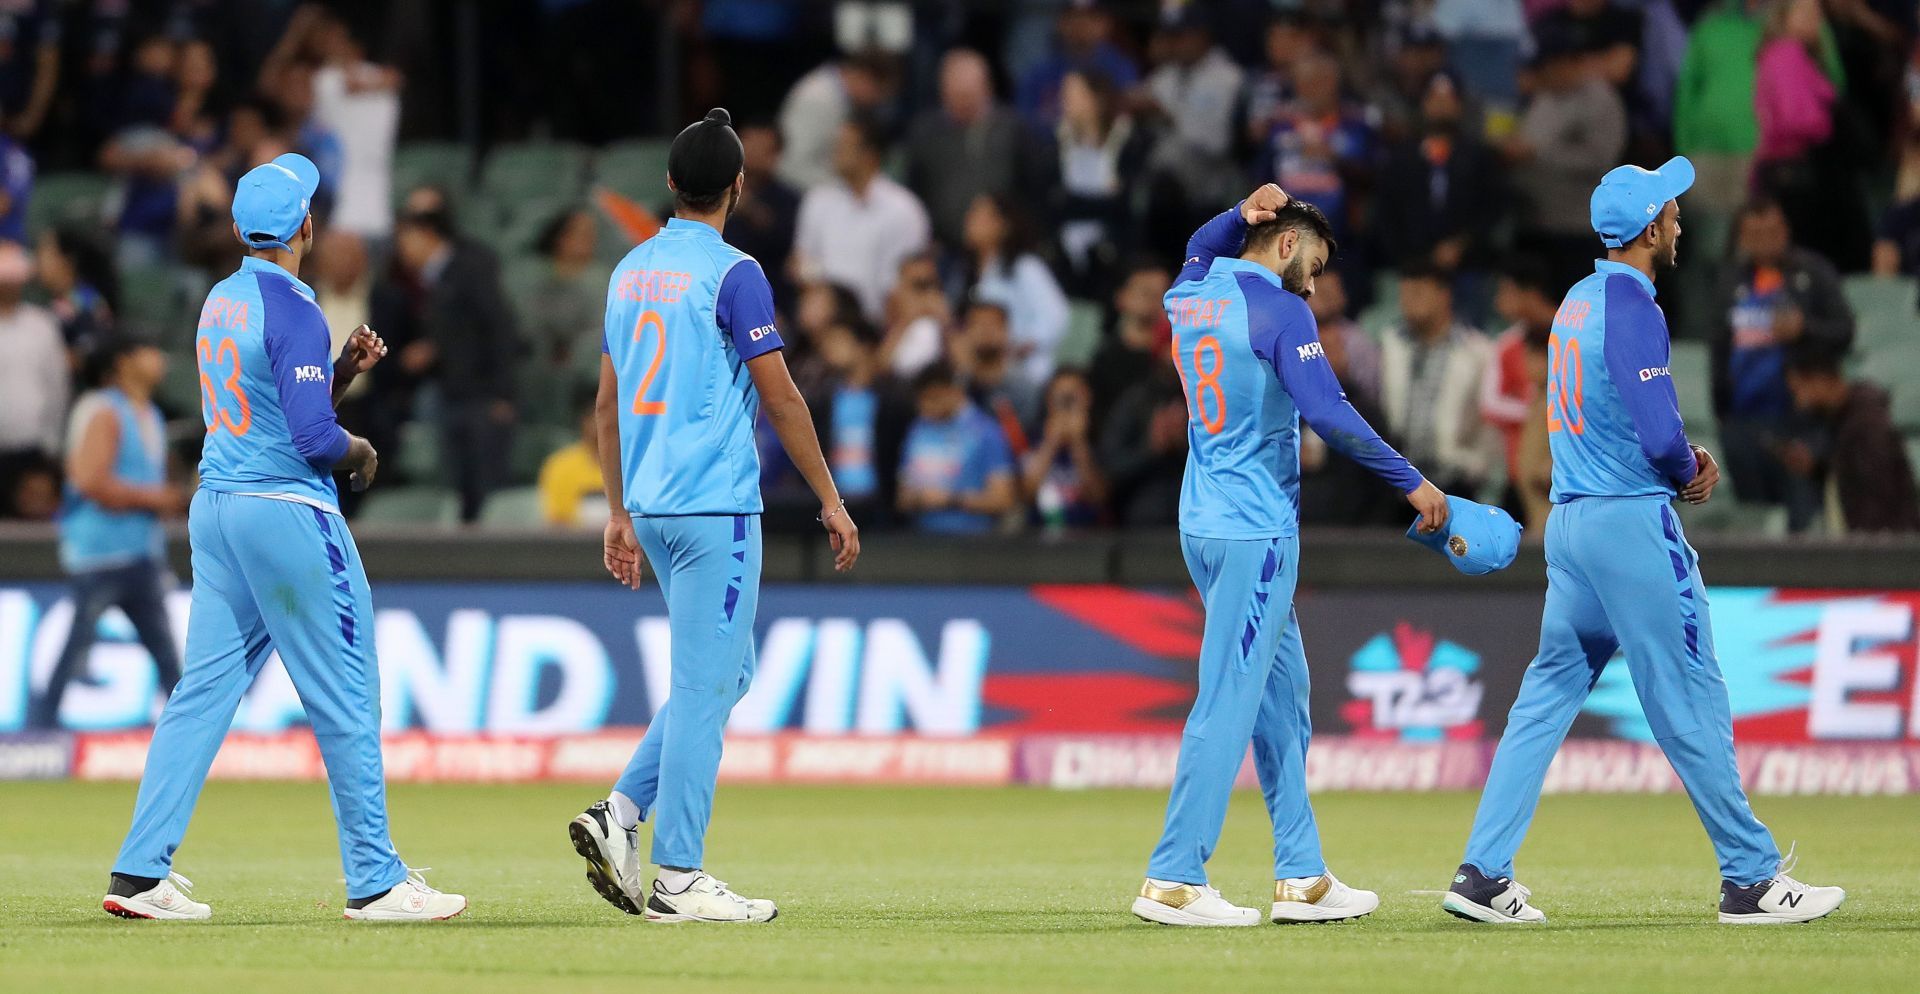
<point>970,213</point>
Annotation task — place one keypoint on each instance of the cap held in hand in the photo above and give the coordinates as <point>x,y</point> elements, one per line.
<point>1477,539</point>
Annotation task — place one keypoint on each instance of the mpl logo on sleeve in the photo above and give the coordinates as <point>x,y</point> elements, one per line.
<point>309,374</point>
<point>1311,350</point>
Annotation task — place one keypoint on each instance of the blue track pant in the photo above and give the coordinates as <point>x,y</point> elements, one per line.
<point>1253,687</point>
<point>1620,575</point>
<point>271,574</point>
<point>709,570</point>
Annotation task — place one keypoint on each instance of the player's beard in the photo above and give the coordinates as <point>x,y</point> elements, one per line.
<point>733,200</point>
<point>1294,278</point>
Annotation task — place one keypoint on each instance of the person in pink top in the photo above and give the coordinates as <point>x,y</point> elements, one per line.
<point>1791,95</point>
<point>1803,153</point>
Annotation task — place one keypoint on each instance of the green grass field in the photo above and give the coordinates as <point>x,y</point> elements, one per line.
<point>937,890</point>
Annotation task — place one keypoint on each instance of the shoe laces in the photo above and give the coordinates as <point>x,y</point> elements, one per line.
<point>180,883</point>
<point>416,878</point>
<point>1789,861</point>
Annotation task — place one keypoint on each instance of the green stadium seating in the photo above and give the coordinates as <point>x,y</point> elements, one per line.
<point>152,298</point>
<point>419,458</point>
<point>448,164</point>
<point>61,197</point>
<point>636,168</point>
<point>410,506</point>
<point>1385,309</point>
<point>533,443</point>
<point>552,170</point>
<point>1883,311</point>
<point>1082,339</point>
<point>1691,365</point>
<point>510,509</point>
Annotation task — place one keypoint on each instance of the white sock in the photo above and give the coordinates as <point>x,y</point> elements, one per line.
<point>1165,884</point>
<point>675,881</point>
<point>626,814</point>
<point>1304,881</point>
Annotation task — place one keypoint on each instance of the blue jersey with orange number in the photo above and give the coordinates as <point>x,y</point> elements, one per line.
<point>685,311</point>
<point>1613,421</point>
<point>1250,360</point>
<point>266,389</point>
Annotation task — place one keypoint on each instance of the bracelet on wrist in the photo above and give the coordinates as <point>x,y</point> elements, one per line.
<point>826,516</point>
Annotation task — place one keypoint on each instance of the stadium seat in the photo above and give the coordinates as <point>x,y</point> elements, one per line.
<point>61,197</point>
<point>150,297</point>
<point>1691,365</point>
<point>533,443</point>
<point>1082,339</point>
<point>515,507</point>
<point>551,170</point>
<point>419,456</point>
<point>448,164</point>
<point>637,168</point>
<point>512,224</point>
<point>1883,311</point>
<point>410,506</point>
<point>1385,309</point>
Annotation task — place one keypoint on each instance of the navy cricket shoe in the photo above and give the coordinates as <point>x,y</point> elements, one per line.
<point>1779,901</point>
<point>1477,897</point>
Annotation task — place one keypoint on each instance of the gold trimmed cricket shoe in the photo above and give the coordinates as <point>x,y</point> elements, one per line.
<point>1193,905</point>
<point>1320,899</point>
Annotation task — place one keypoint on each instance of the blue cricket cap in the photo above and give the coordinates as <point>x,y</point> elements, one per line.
<point>1477,539</point>
<point>1629,198</point>
<point>271,200</point>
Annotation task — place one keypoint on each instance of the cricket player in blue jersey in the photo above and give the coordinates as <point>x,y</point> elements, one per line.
<point>274,567</point>
<point>1621,576</point>
<point>691,354</point>
<point>1249,356</point>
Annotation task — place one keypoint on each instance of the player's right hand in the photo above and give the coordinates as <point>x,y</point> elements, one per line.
<point>844,536</point>
<point>364,461</point>
<point>1706,476</point>
<point>620,552</point>
<point>1432,505</point>
<point>1262,204</point>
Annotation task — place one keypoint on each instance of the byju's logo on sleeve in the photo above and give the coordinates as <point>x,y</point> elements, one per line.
<point>1653,371</point>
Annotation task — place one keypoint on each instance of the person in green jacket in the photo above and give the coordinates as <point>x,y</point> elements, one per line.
<point>1713,118</point>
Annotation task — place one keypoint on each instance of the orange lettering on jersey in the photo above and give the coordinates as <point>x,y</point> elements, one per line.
<point>652,286</point>
<point>1199,313</point>
<point>1573,314</point>
<point>220,312</point>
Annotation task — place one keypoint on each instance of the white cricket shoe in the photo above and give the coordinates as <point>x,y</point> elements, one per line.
<point>707,899</point>
<point>164,901</point>
<point>410,900</point>
<point>612,855</point>
<point>1477,897</point>
<point>1320,899</point>
<point>1192,905</point>
<point>1780,901</point>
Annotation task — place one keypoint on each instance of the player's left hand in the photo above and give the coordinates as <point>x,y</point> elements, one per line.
<point>361,352</point>
<point>1706,476</point>
<point>620,552</point>
<point>1262,204</point>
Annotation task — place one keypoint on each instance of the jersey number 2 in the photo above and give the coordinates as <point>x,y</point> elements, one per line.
<point>1205,378</point>
<point>216,414</point>
<point>1566,386</point>
<point>641,405</point>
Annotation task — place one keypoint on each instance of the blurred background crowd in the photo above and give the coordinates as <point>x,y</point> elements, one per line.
<point>970,211</point>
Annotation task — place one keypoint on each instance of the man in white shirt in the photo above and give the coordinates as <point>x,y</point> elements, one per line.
<point>1198,89</point>
<point>34,381</point>
<point>856,229</point>
<point>818,104</point>
<point>359,102</point>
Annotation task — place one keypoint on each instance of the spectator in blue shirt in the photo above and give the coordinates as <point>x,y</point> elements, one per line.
<point>1319,148</point>
<point>861,413</point>
<point>1084,44</point>
<point>956,470</point>
<point>16,187</point>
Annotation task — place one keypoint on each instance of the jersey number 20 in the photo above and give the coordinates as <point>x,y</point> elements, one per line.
<point>1566,386</point>
<point>1213,417</point>
<point>641,405</point>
